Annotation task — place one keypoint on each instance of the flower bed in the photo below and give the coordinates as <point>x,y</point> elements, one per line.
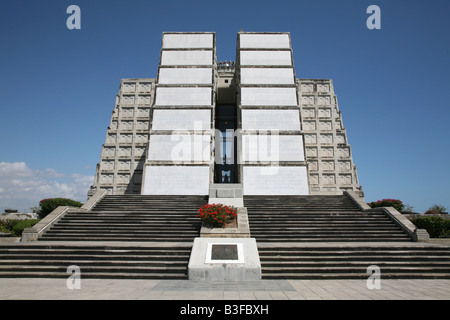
<point>397,204</point>
<point>216,215</point>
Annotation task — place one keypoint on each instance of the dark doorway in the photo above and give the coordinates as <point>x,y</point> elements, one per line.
<point>225,148</point>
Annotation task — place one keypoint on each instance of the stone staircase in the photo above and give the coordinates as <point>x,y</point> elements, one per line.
<point>127,236</point>
<point>298,237</point>
<point>317,219</point>
<point>344,261</point>
<point>95,260</point>
<point>329,237</point>
<point>132,218</point>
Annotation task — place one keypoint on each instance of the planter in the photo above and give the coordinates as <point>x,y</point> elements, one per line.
<point>235,229</point>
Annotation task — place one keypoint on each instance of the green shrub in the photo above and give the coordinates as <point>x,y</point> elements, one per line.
<point>8,224</point>
<point>48,205</point>
<point>16,226</point>
<point>436,209</point>
<point>436,226</point>
<point>3,226</point>
<point>21,225</point>
<point>397,204</point>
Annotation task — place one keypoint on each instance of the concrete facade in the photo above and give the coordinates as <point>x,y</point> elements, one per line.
<point>289,132</point>
<point>124,152</point>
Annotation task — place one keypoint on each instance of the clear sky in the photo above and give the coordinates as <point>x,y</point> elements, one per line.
<point>58,86</point>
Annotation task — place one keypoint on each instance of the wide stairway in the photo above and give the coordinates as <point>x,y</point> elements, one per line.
<point>127,236</point>
<point>132,218</point>
<point>329,237</point>
<point>316,218</point>
<point>43,259</point>
<point>298,237</point>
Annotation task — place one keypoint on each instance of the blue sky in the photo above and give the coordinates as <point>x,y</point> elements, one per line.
<point>58,86</point>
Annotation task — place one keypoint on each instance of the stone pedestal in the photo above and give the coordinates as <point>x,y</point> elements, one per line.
<point>217,259</point>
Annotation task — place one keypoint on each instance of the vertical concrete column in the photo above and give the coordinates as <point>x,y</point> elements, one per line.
<point>272,151</point>
<point>180,154</point>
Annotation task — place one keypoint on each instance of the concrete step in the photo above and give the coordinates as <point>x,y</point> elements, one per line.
<point>95,261</point>
<point>346,261</point>
<point>132,218</point>
<point>317,218</point>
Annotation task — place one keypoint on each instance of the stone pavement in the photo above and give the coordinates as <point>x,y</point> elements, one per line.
<point>108,289</point>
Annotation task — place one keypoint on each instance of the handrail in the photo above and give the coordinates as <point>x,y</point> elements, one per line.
<point>416,234</point>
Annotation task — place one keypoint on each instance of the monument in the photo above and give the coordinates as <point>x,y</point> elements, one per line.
<point>226,129</point>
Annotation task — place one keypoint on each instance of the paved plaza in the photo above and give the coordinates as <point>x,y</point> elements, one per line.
<point>95,289</point>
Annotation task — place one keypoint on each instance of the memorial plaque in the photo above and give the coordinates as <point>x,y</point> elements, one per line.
<point>267,76</point>
<point>266,58</point>
<point>185,76</point>
<point>270,120</point>
<point>268,97</point>
<point>176,180</point>
<point>181,120</point>
<point>272,148</point>
<point>186,58</point>
<point>275,41</point>
<point>183,96</point>
<point>224,252</point>
<point>179,147</point>
<point>275,180</point>
<point>193,40</point>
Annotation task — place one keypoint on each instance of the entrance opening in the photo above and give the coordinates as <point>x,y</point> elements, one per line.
<point>225,168</point>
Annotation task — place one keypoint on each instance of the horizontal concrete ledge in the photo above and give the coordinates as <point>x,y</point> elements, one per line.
<point>108,244</point>
<point>343,245</point>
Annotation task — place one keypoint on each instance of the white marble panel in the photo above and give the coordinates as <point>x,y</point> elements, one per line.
<point>272,41</point>
<point>181,120</point>
<point>272,148</point>
<point>268,97</point>
<point>179,148</point>
<point>267,76</point>
<point>266,58</point>
<point>270,120</point>
<point>279,180</point>
<point>202,40</point>
<point>187,58</point>
<point>185,76</point>
<point>183,96</point>
<point>176,180</point>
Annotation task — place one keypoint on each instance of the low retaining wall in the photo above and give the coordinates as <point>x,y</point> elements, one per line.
<point>33,233</point>
<point>416,234</point>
